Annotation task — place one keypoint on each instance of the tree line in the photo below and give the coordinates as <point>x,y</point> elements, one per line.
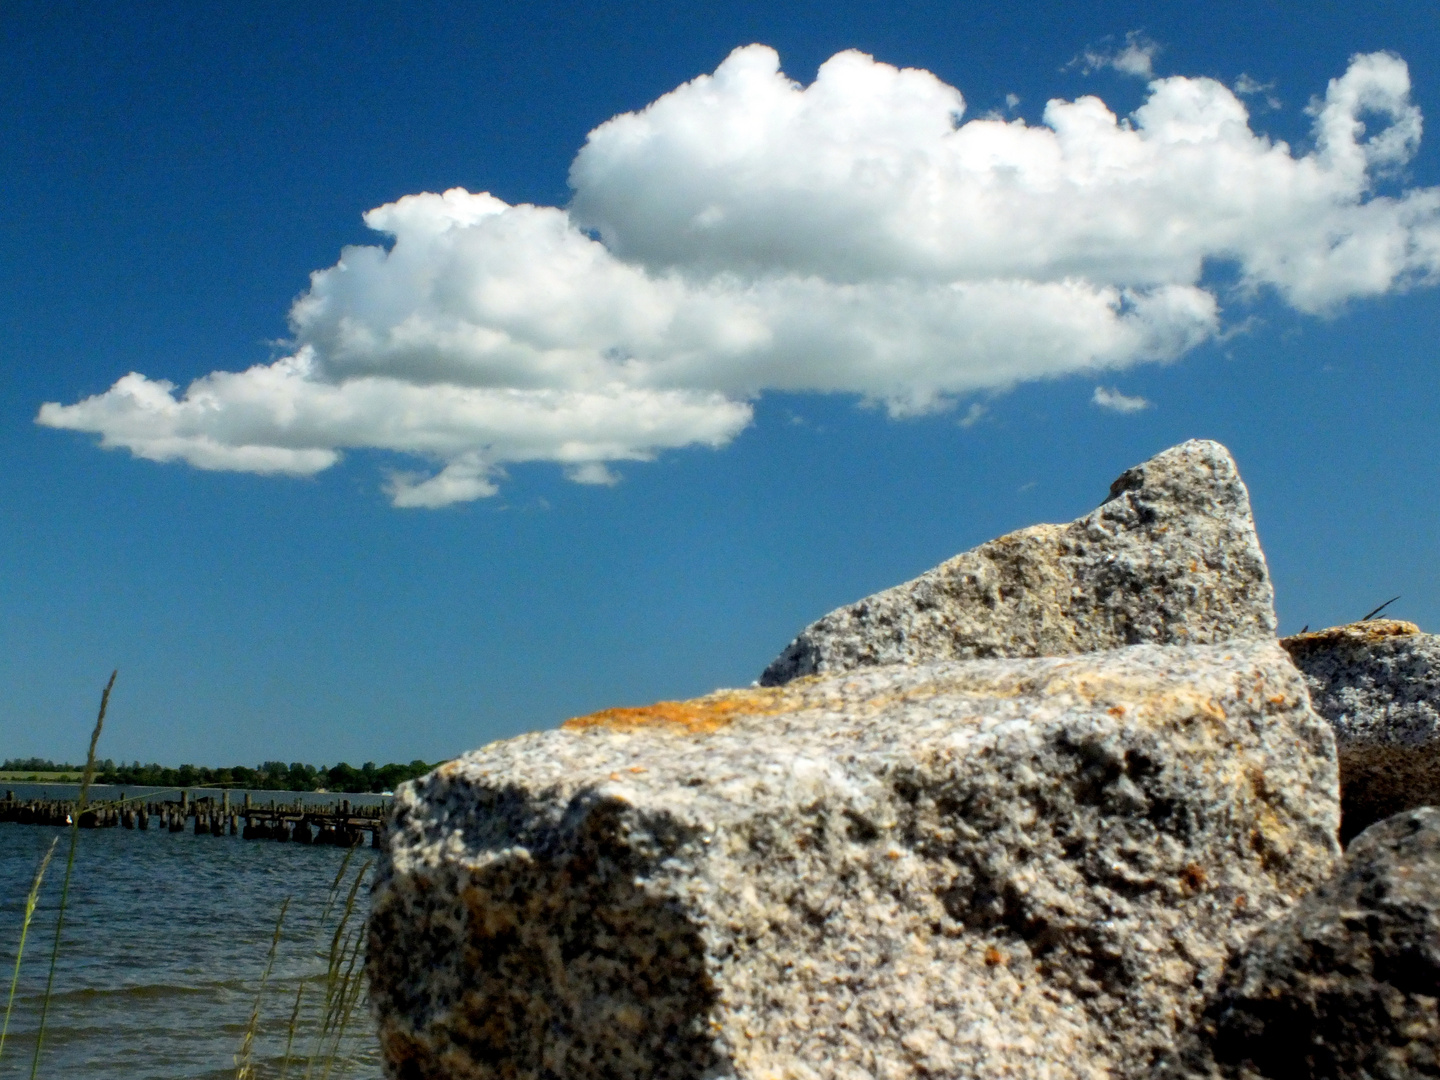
<point>268,776</point>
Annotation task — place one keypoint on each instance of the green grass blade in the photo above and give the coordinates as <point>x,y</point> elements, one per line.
<point>30,901</point>
<point>86,779</point>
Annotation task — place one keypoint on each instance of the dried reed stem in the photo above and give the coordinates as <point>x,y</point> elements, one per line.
<point>85,781</point>
<point>244,1068</point>
<point>30,901</point>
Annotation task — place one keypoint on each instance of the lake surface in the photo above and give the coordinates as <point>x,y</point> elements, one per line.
<point>165,940</point>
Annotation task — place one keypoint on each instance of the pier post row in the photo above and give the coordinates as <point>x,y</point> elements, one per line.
<point>339,824</point>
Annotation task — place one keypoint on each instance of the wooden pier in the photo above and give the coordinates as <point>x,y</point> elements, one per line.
<point>338,824</point>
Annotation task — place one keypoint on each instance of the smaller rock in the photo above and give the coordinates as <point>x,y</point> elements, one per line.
<point>1345,984</point>
<point>1378,683</point>
<point>1170,558</point>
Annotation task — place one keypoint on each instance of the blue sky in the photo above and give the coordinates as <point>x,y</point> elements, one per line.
<point>174,174</point>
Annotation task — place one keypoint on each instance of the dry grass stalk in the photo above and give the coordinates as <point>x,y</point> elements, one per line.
<point>81,803</point>
<point>244,1066</point>
<point>343,986</point>
<point>31,901</point>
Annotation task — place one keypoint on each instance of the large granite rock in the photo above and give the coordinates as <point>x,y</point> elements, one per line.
<point>1378,683</point>
<point>1025,868</point>
<point>1171,557</point>
<point>1345,985</point>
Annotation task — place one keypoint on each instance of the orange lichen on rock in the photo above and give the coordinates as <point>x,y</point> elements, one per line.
<point>1368,632</point>
<point>694,717</point>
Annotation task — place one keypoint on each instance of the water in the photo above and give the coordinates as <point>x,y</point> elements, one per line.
<point>165,939</point>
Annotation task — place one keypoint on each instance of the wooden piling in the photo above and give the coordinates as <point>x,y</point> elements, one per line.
<point>341,824</point>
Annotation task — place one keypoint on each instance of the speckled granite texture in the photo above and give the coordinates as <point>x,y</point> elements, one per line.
<point>1000,868</point>
<point>1378,683</point>
<point>1170,558</point>
<point>1344,986</point>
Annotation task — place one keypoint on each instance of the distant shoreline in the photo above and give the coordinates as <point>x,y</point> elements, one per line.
<point>20,777</point>
<point>341,778</point>
<point>72,779</point>
<point>134,794</point>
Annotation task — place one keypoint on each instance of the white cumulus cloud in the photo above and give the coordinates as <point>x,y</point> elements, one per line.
<point>746,233</point>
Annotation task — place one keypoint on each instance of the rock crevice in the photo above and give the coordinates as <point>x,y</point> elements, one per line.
<point>1345,984</point>
<point>1378,683</point>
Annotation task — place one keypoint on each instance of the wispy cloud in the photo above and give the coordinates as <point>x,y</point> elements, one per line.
<point>1135,57</point>
<point>746,233</point>
<point>592,472</point>
<point>1245,86</point>
<point>1110,398</point>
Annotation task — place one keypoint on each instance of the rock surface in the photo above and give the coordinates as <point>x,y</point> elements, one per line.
<point>1345,985</point>
<point>1378,683</point>
<point>998,868</point>
<point>1170,558</point>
